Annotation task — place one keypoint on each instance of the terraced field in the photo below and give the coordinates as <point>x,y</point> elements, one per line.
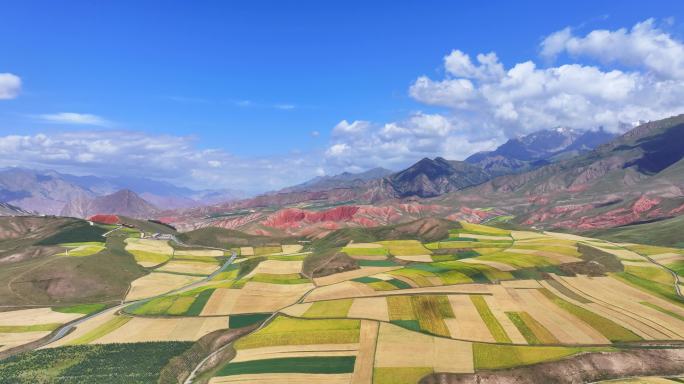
<point>481,299</point>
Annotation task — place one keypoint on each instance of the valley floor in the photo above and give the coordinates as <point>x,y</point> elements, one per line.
<point>481,302</point>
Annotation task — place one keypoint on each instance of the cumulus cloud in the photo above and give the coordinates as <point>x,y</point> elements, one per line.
<point>644,46</point>
<point>75,118</point>
<point>632,75</point>
<point>10,85</point>
<point>172,158</point>
<point>397,144</point>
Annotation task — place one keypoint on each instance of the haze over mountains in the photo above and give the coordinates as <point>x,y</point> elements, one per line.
<point>635,177</point>
<point>558,178</point>
<point>50,192</point>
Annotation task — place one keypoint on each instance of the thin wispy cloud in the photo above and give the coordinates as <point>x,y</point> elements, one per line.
<point>177,159</point>
<point>71,118</point>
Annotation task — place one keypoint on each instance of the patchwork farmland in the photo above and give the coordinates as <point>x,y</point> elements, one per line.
<point>479,299</point>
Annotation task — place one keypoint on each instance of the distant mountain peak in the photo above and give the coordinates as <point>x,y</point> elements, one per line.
<point>123,202</point>
<point>540,147</point>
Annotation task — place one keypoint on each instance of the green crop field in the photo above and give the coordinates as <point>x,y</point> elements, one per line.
<point>288,331</point>
<point>487,316</point>
<point>149,257</point>
<point>497,356</point>
<point>85,309</point>
<point>365,251</point>
<point>102,330</point>
<point>662,290</point>
<point>405,247</point>
<point>399,375</point>
<point>28,328</point>
<point>267,250</point>
<point>531,329</point>
<point>652,273</point>
<point>290,278</point>
<point>331,308</point>
<point>318,364</point>
<point>424,313</point>
<point>245,320</point>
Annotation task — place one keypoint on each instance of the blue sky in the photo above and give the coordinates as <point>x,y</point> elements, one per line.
<point>257,89</point>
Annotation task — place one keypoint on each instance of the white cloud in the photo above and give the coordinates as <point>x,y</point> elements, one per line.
<point>397,144</point>
<point>10,85</point>
<point>75,118</point>
<point>525,97</point>
<point>488,103</point>
<point>644,46</point>
<point>173,158</point>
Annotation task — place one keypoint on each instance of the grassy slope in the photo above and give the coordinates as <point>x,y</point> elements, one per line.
<point>71,280</point>
<point>663,233</point>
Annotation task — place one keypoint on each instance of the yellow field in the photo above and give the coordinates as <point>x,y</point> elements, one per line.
<point>284,378</point>
<point>190,267</point>
<point>441,355</point>
<point>279,351</point>
<point>36,316</point>
<point>254,297</point>
<point>158,283</point>
<point>141,329</point>
<point>148,252</point>
<point>11,340</point>
<point>353,274</point>
<point>200,253</point>
<point>292,248</point>
<point>278,267</point>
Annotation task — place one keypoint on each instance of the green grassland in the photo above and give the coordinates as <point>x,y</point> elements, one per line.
<point>134,363</point>
<point>101,277</point>
<point>661,233</point>
<point>77,232</point>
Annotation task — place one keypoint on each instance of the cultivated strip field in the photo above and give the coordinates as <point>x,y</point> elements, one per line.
<point>481,298</point>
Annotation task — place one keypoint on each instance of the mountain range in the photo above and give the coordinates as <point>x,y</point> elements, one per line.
<point>50,192</point>
<point>538,149</point>
<point>563,179</point>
